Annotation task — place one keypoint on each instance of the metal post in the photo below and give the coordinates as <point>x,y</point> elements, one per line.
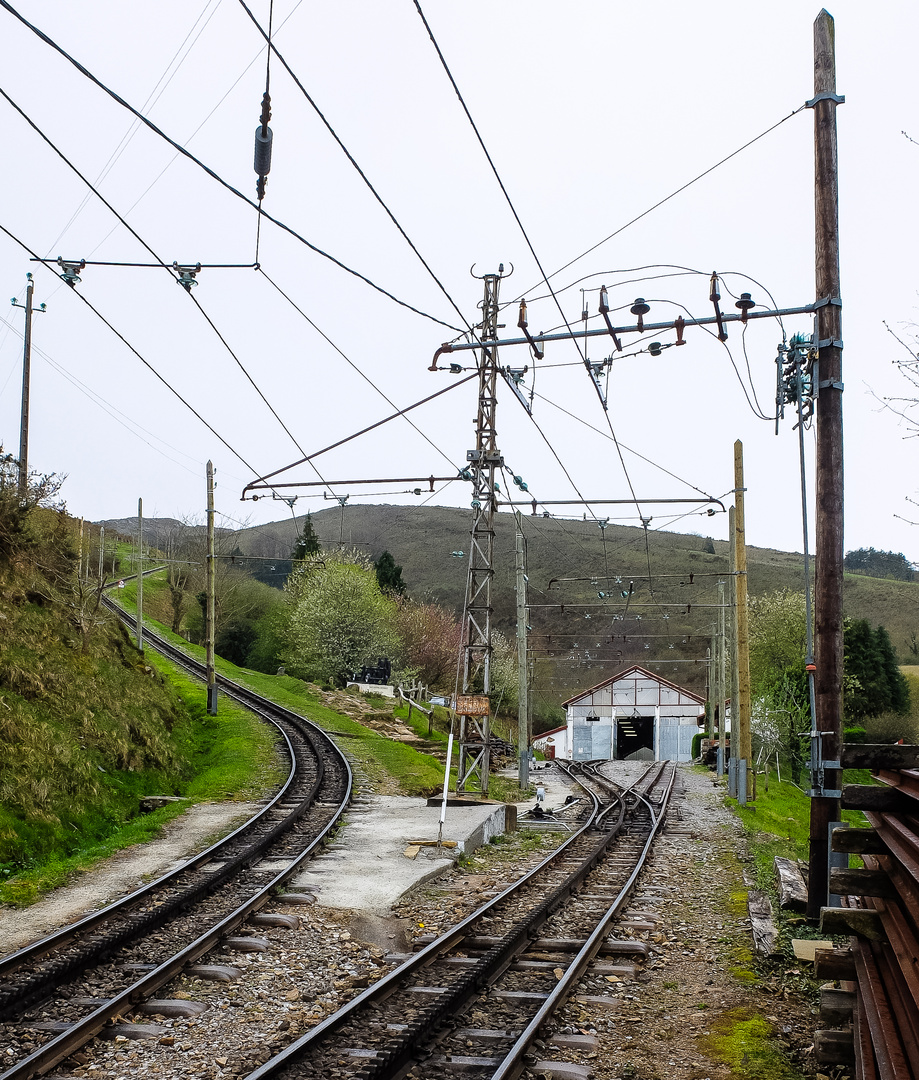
<point>475,732</point>
<point>140,574</point>
<point>211,597</point>
<point>828,466</point>
<point>101,553</point>
<point>523,710</point>
<point>745,780</point>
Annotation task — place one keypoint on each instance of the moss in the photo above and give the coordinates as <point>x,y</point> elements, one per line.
<point>747,1044</point>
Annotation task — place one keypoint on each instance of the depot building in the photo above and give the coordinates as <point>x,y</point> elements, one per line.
<point>634,715</point>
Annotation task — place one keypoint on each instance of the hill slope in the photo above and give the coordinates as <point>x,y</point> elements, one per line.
<point>677,618</point>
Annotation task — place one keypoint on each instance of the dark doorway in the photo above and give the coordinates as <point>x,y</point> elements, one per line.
<point>634,733</point>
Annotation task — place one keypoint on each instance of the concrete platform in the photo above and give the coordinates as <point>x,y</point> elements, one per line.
<point>365,868</point>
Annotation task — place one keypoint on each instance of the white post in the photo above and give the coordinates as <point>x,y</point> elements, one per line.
<point>443,805</point>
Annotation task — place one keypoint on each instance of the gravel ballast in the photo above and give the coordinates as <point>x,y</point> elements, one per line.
<point>697,984</point>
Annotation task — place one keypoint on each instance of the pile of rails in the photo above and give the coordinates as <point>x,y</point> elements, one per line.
<point>872,1020</point>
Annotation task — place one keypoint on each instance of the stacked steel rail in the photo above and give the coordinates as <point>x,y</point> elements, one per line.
<point>177,919</point>
<point>511,963</point>
<point>872,1020</point>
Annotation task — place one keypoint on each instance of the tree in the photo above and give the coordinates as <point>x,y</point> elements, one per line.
<point>778,679</point>
<point>307,542</point>
<point>337,619</point>
<point>875,684</point>
<point>430,640</point>
<point>23,531</point>
<point>389,575</point>
<point>882,564</point>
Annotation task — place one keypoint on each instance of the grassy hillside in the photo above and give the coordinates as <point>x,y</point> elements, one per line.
<point>658,564</point>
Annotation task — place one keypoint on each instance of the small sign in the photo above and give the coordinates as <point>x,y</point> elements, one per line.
<point>472,705</point>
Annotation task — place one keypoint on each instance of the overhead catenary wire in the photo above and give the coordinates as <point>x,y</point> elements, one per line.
<point>215,175</point>
<point>272,48</point>
<point>673,194</point>
<point>176,156</point>
<point>140,357</point>
<point>116,414</point>
<point>355,367</point>
<point>488,157</point>
<point>160,262</point>
<point>152,98</point>
<point>582,353</point>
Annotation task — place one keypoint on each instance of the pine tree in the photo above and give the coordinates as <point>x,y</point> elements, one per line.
<point>897,685</point>
<point>389,575</point>
<point>866,692</point>
<point>307,542</point>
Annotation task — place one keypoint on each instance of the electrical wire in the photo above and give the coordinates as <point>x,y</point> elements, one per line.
<point>673,194</point>
<point>176,156</point>
<point>152,98</point>
<point>215,175</point>
<point>140,357</point>
<point>353,365</point>
<point>272,48</point>
<point>160,261</point>
<point>603,435</point>
<point>121,418</point>
<point>481,141</point>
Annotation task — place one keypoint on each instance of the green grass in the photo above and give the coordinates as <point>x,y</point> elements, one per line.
<point>746,1042</point>
<point>777,822</point>
<point>227,756</point>
<point>382,760</point>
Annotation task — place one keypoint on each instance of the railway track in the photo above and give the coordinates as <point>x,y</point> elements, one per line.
<point>110,963</point>
<point>475,998</point>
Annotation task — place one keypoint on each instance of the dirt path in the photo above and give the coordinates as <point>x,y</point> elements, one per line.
<point>120,874</point>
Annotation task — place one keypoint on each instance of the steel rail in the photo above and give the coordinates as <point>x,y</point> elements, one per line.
<point>513,1064</point>
<point>66,934</point>
<point>446,941</point>
<point>498,957</point>
<point>62,1046</point>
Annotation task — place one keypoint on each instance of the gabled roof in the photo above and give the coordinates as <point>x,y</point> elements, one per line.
<point>554,731</point>
<point>634,669</point>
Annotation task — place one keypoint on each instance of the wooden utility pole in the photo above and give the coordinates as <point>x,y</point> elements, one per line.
<point>523,705</point>
<point>744,751</point>
<point>140,574</point>
<point>211,598</point>
<point>828,519</point>
<point>735,687</point>
<point>26,383</point>
<point>722,687</point>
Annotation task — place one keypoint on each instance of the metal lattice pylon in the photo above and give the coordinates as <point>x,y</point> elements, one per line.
<point>475,731</point>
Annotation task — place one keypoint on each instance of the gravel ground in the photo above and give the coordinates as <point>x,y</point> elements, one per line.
<point>658,1026</point>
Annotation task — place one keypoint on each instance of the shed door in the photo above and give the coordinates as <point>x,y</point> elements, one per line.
<point>674,740</point>
<point>581,742</point>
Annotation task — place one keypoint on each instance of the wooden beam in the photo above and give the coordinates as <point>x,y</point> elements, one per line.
<point>861,883</point>
<point>871,797</point>
<point>859,842</point>
<point>834,964</point>
<point>880,756</point>
<point>863,921</point>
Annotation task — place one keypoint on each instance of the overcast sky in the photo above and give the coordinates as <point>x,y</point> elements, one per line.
<point>592,113</point>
